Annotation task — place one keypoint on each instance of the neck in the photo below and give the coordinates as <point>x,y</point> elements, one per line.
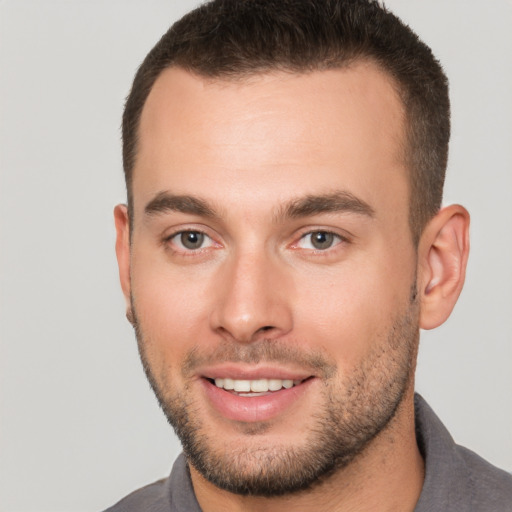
<point>386,476</point>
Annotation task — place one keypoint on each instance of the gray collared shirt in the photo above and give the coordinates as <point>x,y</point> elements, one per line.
<point>456,479</point>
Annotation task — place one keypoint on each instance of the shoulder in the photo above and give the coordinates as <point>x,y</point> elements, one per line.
<point>170,494</point>
<point>490,487</point>
<point>151,498</point>
<point>456,478</point>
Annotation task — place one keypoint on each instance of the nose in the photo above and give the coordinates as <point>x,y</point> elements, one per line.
<point>253,299</point>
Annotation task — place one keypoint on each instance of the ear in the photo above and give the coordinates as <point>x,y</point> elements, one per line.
<point>122,223</point>
<point>443,254</point>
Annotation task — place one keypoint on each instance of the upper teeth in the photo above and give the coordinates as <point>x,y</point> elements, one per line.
<point>257,386</point>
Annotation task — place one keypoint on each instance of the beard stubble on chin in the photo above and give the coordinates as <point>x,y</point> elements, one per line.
<point>351,412</point>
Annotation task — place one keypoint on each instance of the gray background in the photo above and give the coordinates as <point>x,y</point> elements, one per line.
<point>79,426</point>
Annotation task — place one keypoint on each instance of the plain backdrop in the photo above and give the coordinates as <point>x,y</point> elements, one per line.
<point>79,426</point>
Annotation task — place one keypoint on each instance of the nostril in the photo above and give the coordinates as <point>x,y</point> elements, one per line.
<point>266,328</point>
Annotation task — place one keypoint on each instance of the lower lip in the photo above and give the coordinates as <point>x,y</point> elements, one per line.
<point>255,408</point>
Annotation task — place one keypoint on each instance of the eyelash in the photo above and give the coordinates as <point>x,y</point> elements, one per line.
<point>184,251</point>
<point>337,240</point>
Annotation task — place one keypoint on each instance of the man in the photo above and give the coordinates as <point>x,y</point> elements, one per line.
<point>282,246</point>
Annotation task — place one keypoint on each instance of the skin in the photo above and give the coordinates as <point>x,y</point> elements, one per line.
<point>248,150</point>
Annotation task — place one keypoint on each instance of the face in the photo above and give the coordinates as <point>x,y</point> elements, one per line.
<point>271,270</point>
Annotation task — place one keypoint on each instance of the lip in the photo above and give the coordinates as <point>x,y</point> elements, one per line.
<point>238,372</point>
<point>255,408</point>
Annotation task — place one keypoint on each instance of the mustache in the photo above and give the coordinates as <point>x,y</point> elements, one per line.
<point>261,351</point>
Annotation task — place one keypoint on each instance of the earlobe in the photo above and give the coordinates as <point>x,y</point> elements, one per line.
<point>122,223</point>
<point>443,255</point>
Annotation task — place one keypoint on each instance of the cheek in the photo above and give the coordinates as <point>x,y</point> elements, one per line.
<point>352,310</point>
<point>172,309</point>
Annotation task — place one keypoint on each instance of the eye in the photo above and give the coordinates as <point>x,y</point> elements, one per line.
<point>319,240</point>
<point>191,240</point>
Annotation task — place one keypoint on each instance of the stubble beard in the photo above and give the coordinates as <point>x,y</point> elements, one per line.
<point>352,413</point>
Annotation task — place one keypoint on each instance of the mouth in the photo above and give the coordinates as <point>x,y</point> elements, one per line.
<point>255,387</point>
<point>255,398</point>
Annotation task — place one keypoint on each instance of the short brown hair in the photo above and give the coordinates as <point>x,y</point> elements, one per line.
<point>231,39</point>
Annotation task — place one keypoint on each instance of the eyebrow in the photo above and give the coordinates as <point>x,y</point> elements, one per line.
<point>336,202</point>
<point>164,202</point>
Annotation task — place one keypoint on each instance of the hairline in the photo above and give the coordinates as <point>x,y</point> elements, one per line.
<point>406,142</point>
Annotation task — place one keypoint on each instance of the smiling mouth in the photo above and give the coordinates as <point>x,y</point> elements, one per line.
<point>255,387</point>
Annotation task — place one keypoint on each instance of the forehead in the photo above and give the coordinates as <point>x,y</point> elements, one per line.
<point>280,128</point>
